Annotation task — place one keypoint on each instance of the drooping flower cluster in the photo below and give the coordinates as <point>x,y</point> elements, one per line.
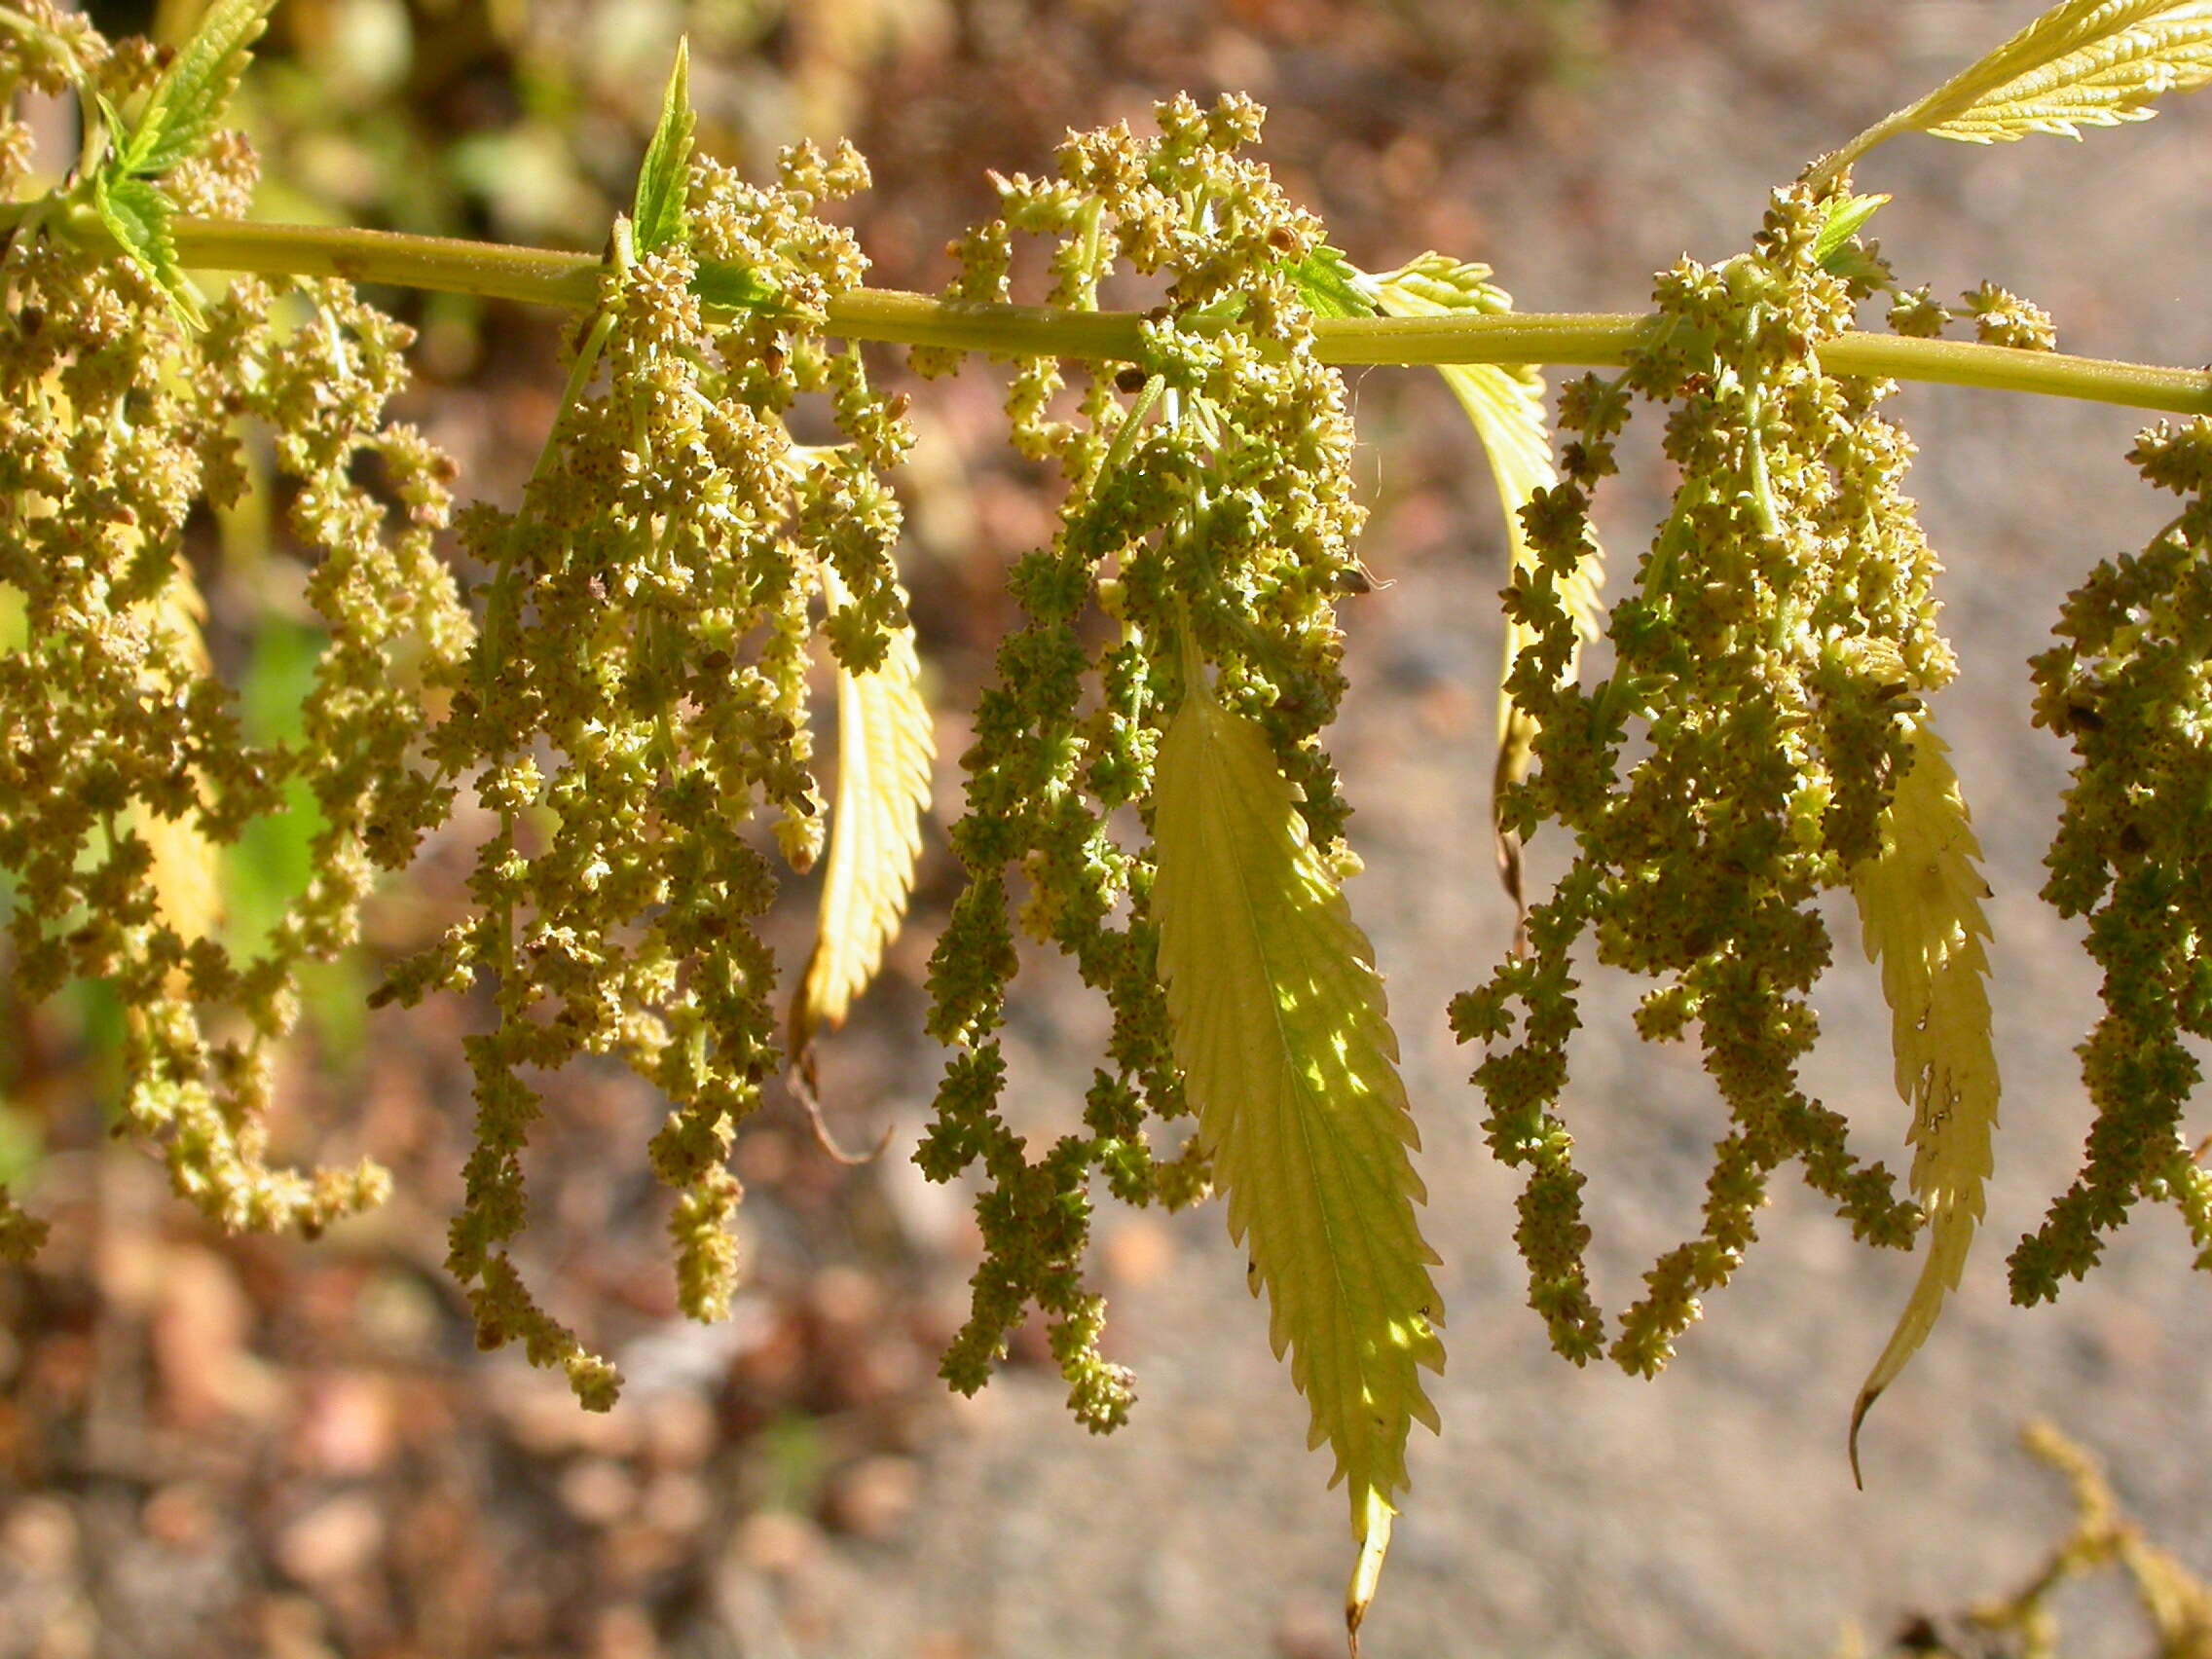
<point>2129,685</point>
<point>1213,509</point>
<point>1734,763</point>
<point>124,770</point>
<point>637,701</point>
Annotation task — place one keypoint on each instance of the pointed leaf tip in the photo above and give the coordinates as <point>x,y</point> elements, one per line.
<point>1367,1570</point>
<point>1279,1025</point>
<point>664,177</point>
<point>1920,903</point>
<point>1858,1410</point>
<point>1845,217</point>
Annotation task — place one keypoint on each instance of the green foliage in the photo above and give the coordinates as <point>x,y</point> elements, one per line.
<point>1920,905</point>
<point>119,737</point>
<point>624,696</point>
<point>1505,405</point>
<point>2087,64</point>
<point>886,749</point>
<point>179,117</point>
<point>2082,63</point>
<point>187,105</point>
<point>1290,1062</point>
<point>2128,685</point>
<point>627,747</point>
<point>1172,527</point>
<point>664,175</point>
<point>137,215</point>
<point>1778,640</point>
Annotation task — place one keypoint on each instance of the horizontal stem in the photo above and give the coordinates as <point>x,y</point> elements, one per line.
<point>2007,368</point>
<point>495,271</point>
<point>541,277</point>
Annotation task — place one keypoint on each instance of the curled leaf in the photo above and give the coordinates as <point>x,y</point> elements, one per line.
<point>884,752</point>
<point>1920,903</point>
<point>1280,1029</point>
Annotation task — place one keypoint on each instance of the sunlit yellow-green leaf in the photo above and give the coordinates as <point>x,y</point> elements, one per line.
<point>1505,405</point>
<point>2082,63</point>
<point>2088,63</point>
<point>658,210</point>
<point>1281,1031</point>
<point>188,102</point>
<point>884,753</point>
<point>1920,903</point>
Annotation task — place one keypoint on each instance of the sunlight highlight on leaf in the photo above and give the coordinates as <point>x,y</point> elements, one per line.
<point>188,104</point>
<point>2083,64</point>
<point>659,207</point>
<point>1282,1034</point>
<point>885,748</point>
<point>1920,903</point>
<point>2088,63</point>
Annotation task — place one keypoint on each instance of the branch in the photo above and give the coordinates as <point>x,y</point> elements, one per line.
<point>1591,340</point>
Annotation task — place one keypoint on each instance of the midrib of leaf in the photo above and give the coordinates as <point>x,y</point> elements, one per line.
<point>1218,794</point>
<point>1229,837</point>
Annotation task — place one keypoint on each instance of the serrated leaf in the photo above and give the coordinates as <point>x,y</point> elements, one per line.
<point>1505,405</point>
<point>2087,63</point>
<point>2082,63</point>
<point>1920,905</point>
<point>885,748</point>
<point>1281,1028</point>
<point>186,105</point>
<point>664,175</point>
<point>1330,283</point>
<point>1844,218</point>
<point>138,216</point>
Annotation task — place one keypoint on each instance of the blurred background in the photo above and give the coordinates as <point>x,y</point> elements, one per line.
<point>216,1446</point>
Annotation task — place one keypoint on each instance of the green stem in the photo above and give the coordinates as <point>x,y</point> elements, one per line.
<point>1593,340</point>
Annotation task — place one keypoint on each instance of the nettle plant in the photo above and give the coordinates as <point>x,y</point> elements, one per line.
<point>620,685</point>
